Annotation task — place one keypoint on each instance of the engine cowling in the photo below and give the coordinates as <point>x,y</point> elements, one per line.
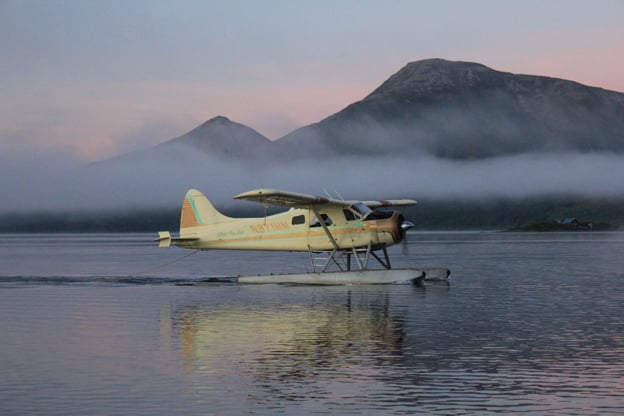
<point>393,223</point>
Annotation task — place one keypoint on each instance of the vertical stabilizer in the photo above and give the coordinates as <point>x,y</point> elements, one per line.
<point>197,210</point>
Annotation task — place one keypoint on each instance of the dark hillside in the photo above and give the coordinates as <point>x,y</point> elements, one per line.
<point>461,110</point>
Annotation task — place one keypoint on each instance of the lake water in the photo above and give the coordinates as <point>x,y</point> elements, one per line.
<point>107,325</point>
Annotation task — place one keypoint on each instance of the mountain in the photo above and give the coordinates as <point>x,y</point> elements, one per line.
<point>219,138</point>
<point>223,138</point>
<point>434,107</point>
<point>436,129</point>
<point>463,110</point>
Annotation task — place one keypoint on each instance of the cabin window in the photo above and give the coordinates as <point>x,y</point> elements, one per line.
<point>316,223</point>
<point>361,209</point>
<point>298,220</point>
<point>349,215</point>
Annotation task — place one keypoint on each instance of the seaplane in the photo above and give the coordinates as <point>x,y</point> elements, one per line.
<point>344,238</point>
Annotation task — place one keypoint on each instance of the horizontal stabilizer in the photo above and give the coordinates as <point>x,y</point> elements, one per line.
<point>165,239</point>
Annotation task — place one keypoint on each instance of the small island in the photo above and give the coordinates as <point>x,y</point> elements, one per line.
<point>566,224</point>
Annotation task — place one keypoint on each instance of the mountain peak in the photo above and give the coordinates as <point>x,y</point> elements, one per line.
<point>221,136</point>
<point>214,123</point>
<point>433,74</point>
<point>465,110</point>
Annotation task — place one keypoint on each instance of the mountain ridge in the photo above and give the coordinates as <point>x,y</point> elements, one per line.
<point>435,107</point>
<point>465,110</point>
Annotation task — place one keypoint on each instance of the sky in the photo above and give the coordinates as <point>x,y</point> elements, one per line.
<point>88,80</point>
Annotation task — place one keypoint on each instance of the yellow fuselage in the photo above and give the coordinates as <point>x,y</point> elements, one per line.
<point>293,230</point>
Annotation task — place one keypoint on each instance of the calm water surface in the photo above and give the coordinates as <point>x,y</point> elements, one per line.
<point>107,325</point>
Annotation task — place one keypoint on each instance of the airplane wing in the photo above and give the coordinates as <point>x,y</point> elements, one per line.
<point>297,200</point>
<point>283,198</point>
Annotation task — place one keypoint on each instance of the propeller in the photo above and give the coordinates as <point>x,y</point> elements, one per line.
<point>405,225</point>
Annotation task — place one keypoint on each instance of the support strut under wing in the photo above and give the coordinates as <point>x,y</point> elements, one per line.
<point>321,220</point>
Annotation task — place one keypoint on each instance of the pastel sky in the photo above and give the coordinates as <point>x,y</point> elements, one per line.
<point>92,79</point>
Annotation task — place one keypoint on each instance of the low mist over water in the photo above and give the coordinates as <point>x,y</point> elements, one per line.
<point>35,184</point>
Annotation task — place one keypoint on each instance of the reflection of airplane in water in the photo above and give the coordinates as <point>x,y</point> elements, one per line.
<point>288,342</point>
<point>346,234</point>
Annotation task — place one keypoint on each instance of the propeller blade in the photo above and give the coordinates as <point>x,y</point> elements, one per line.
<point>406,225</point>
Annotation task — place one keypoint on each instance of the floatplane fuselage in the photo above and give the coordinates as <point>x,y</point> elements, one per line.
<point>313,224</point>
<point>323,225</point>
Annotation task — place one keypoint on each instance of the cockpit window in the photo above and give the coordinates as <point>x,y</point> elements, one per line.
<point>361,209</point>
<point>316,223</point>
<point>349,215</point>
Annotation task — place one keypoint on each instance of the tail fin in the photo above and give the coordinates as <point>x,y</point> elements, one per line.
<point>197,210</point>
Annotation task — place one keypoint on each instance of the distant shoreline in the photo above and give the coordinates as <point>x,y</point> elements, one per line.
<point>528,214</point>
<point>554,226</point>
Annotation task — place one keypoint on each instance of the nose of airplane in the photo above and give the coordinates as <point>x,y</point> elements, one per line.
<point>402,225</point>
<point>406,225</point>
<point>395,224</point>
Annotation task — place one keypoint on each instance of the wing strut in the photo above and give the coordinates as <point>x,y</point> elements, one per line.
<point>322,221</point>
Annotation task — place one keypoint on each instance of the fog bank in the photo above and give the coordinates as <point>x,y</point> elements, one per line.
<point>58,183</point>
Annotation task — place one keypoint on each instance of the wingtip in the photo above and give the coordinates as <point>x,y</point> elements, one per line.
<point>256,192</point>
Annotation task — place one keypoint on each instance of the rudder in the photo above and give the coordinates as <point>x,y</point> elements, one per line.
<point>197,210</point>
